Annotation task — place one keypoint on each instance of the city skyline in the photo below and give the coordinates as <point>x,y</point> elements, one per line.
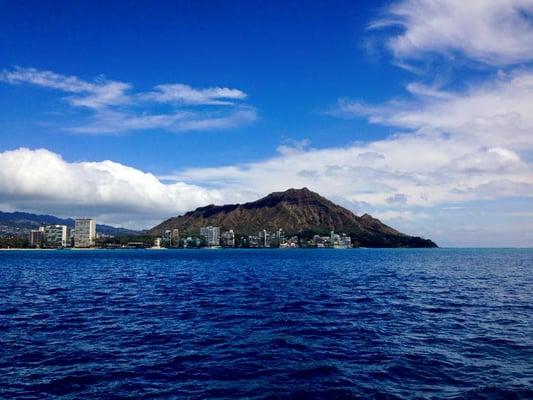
<point>141,113</point>
<point>85,236</point>
<point>82,235</point>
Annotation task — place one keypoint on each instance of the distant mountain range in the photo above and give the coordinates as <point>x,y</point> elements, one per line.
<point>296,211</point>
<point>20,223</point>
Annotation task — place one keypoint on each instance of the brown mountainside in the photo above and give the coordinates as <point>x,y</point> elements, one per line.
<point>296,211</point>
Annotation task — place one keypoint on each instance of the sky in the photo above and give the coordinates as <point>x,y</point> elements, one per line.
<point>419,113</point>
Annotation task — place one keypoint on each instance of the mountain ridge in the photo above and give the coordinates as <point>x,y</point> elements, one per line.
<point>297,212</point>
<point>20,223</point>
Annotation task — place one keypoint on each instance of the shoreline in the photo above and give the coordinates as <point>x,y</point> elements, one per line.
<point>192,248</point>
<point>15,249</point>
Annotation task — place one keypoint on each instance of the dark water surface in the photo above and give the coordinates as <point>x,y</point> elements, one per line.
<point>276,324</point>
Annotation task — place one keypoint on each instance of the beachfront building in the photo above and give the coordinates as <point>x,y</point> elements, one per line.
<point>345,242</point>
<point>264,238</point>
<point>340,241</point>
<point>278,238</point>
<point>292,242</point>
<point>228,238</point>
<point>171,238</point>
<point>166,240</point>
<point>84,232</point>
<point>175,237</point>
<point>211,235</point>
<point>37,237</point>
<point>334,240</point>
<point>55,236</point>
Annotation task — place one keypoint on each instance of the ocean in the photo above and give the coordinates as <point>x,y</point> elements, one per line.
<point>267,324</point>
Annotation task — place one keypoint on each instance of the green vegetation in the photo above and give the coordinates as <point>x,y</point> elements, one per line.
<point>13,242</point>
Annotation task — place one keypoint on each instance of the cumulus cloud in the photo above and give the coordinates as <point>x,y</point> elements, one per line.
<point>116,108</point>
<point>495,32</point>
<point>37,180</point>
<point>418,167</point>
<point>453,147</point>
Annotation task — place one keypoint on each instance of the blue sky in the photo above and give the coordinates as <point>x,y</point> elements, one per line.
<point>414,111</point>
<point>293,62</point>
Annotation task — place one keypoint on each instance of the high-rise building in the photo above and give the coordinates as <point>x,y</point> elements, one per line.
<point>264,237</point>
<point>211,234</point>
<point>175,237</point>
<point>228,238</point>
<point>37,237</point>
<point>85,232</point>
<point>166,240</point>
<point>279,237</point>
<point>335,239</point>
<point>55,236</point>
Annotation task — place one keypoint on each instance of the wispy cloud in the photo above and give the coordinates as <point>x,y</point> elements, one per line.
<point>118,122</point>
<point>184,94</point>
<point>95,95</point>
<point>494,113</point>
<point>116,108</point>
<point>495,32</point>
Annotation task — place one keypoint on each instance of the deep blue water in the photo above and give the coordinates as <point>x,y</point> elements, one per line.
<point>267,324</point>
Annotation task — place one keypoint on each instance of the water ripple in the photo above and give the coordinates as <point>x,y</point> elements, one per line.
<point>361,324</point>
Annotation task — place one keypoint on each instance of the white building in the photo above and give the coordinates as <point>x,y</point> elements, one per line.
<point>228,238</point>
<point>280,237</point>
<point>211,234</point>
<point>264,238</point>
<point>55,235</point>
<point>84,232</point>
<point>340,241</point>
<point>346,241</point>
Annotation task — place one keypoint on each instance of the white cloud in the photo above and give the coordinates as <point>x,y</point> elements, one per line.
<point>493,113</point>
<point>493,160</point>
<point>417,167</point>
<point>117,122</point>
<point>115,109</point>
<point>239,116</point>
<point>94,95</point>
<point>495,32</point>
<point>393,215</point>
<point>49,79</point>
<point>455,147</point>
<point>290,146</point>
<point>40,180</point>
<point>184,94</point>
<point>402,179</point>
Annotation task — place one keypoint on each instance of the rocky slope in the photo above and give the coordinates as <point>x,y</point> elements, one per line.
<point>296,211</point>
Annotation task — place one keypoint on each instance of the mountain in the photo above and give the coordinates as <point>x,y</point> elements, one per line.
<point>296,211</point>
<point>20,223</point>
